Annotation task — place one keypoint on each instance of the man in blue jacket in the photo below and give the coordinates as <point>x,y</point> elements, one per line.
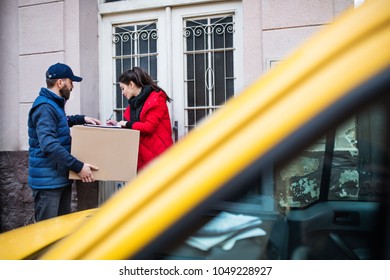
<point>49,139</point>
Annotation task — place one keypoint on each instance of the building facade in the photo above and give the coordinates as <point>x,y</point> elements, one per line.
<point>201,52</point>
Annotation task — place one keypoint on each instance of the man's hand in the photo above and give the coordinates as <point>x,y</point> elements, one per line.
<point>92,120</point>
<point>86,173</point>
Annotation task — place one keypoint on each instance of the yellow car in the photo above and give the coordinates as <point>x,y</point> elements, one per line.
<point>295,167</point>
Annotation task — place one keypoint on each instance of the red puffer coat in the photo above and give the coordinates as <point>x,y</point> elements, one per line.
<point>154,126</point>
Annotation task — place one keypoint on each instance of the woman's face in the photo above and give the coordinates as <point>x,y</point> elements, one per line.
<point>130,90</point>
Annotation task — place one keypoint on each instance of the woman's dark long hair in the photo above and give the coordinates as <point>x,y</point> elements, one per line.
<point>141,79</point>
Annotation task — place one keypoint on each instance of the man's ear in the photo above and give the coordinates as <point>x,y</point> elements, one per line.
<point>59,83</point>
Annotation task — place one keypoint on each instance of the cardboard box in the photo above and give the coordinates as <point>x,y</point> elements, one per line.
<point>114,150</point>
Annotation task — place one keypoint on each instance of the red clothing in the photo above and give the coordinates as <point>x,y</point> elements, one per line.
<point>154,126</point>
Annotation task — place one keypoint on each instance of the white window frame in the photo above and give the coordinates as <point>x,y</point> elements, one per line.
<point>106,52</point>
<point>178,14</point>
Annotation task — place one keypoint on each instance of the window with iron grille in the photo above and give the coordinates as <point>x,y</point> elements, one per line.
<point>209,66</point>
<point>134,45</point>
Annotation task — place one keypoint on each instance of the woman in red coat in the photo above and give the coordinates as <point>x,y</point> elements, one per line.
<point>147,112</point>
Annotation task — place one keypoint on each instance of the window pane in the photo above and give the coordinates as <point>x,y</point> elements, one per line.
<point>209,65</point>
<point>134,45</point>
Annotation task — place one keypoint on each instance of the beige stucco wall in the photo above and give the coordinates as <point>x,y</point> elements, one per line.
<point>34,35</point>
<point>274,29</point>
<point>48,33</point>
<point>9,81</point>
<point>89,58</point>
<point>287,24</point>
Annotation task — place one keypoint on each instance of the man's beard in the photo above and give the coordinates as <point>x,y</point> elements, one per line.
<point>65,92</point>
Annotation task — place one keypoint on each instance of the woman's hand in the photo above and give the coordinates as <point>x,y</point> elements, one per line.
<point>122,123</point>
<point>115,123</point>
<point>112,122</point>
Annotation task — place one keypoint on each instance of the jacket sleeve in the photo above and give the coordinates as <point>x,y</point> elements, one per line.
<point>45,120</point>
<point>75,120</point>
<point>154,113</point>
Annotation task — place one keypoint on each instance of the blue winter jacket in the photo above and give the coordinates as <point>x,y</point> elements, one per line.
<point>49,139</point>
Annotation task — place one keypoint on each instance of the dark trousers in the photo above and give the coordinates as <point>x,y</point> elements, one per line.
<point>50,203</point>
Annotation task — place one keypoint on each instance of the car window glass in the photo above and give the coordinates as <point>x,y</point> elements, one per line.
<point>245,227</point>
<point>297,183</point>
<point>357,167</point>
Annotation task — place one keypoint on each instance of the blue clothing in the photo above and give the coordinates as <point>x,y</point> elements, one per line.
<point>52,203</point>
<point>49,139</point>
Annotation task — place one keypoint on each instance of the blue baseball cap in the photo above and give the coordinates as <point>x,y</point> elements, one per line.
<point>61,71</point>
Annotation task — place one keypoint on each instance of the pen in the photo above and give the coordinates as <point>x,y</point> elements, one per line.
<point>110,118</point>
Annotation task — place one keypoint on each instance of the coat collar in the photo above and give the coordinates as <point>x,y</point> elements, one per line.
<point>50,94</point>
